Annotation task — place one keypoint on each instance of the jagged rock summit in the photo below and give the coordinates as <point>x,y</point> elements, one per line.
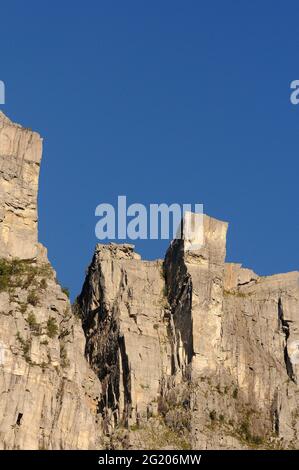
<point>185,352</point>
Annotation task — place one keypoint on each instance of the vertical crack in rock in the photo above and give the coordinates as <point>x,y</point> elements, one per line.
<point>106,348</point>
<point>102,351</point>
<point>19,419</point>
<point>126,377</point>
<point>275,411</point>
<point>179,291</point>
<point>276,422</point>
<point>285,327</point>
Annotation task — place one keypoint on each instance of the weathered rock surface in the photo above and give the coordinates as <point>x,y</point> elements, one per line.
<point>123,304</point>
<point>49,394</point>
<point>188,352</point>
<point>20,156</point>
<point>193,352</point>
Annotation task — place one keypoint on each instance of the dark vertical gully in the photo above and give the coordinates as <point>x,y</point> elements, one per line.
<point>283,324</point>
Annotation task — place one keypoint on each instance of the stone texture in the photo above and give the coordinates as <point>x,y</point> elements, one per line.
<point>192,352</point>
<point>49,394</point>
<point>123,307</point>
<point>188,352</point>
<point>20,155</point>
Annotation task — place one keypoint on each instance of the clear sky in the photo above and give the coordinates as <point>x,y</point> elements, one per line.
<point>163,101</point>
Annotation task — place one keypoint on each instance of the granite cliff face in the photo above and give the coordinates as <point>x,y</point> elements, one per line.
<point>192,351</point>
<point>49,394</point>
<point>20,156</point>
<point>185,352</point>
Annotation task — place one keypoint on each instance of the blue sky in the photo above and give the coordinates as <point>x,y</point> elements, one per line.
<point>163,101</point>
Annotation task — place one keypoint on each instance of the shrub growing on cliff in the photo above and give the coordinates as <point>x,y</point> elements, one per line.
<point>21,273</point>
<point>52,327</point>
<point>25,345</point>
<point>33,325</point>
<point>5,273</point>
<point>32,298</point>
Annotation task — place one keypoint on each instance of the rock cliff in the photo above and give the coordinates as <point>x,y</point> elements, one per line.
<point>49,394</point>
<point>20,156</point>
<point>192,351</point>
<point>185,352</point>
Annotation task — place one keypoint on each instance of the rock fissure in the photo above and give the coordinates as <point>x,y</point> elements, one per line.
<point>285,327</point>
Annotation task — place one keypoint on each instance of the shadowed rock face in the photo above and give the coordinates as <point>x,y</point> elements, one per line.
<point>123,307</point>
<point>185,352</point>
<point>20,156</point>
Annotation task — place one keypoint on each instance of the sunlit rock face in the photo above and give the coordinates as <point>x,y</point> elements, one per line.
<point>49,394</point>
<point>20,156</point>
<point>193,346</point>
<point>185,352</point>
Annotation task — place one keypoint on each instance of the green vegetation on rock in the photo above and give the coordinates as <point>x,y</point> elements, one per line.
<point>52,327</point>
<point>21,273</point>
